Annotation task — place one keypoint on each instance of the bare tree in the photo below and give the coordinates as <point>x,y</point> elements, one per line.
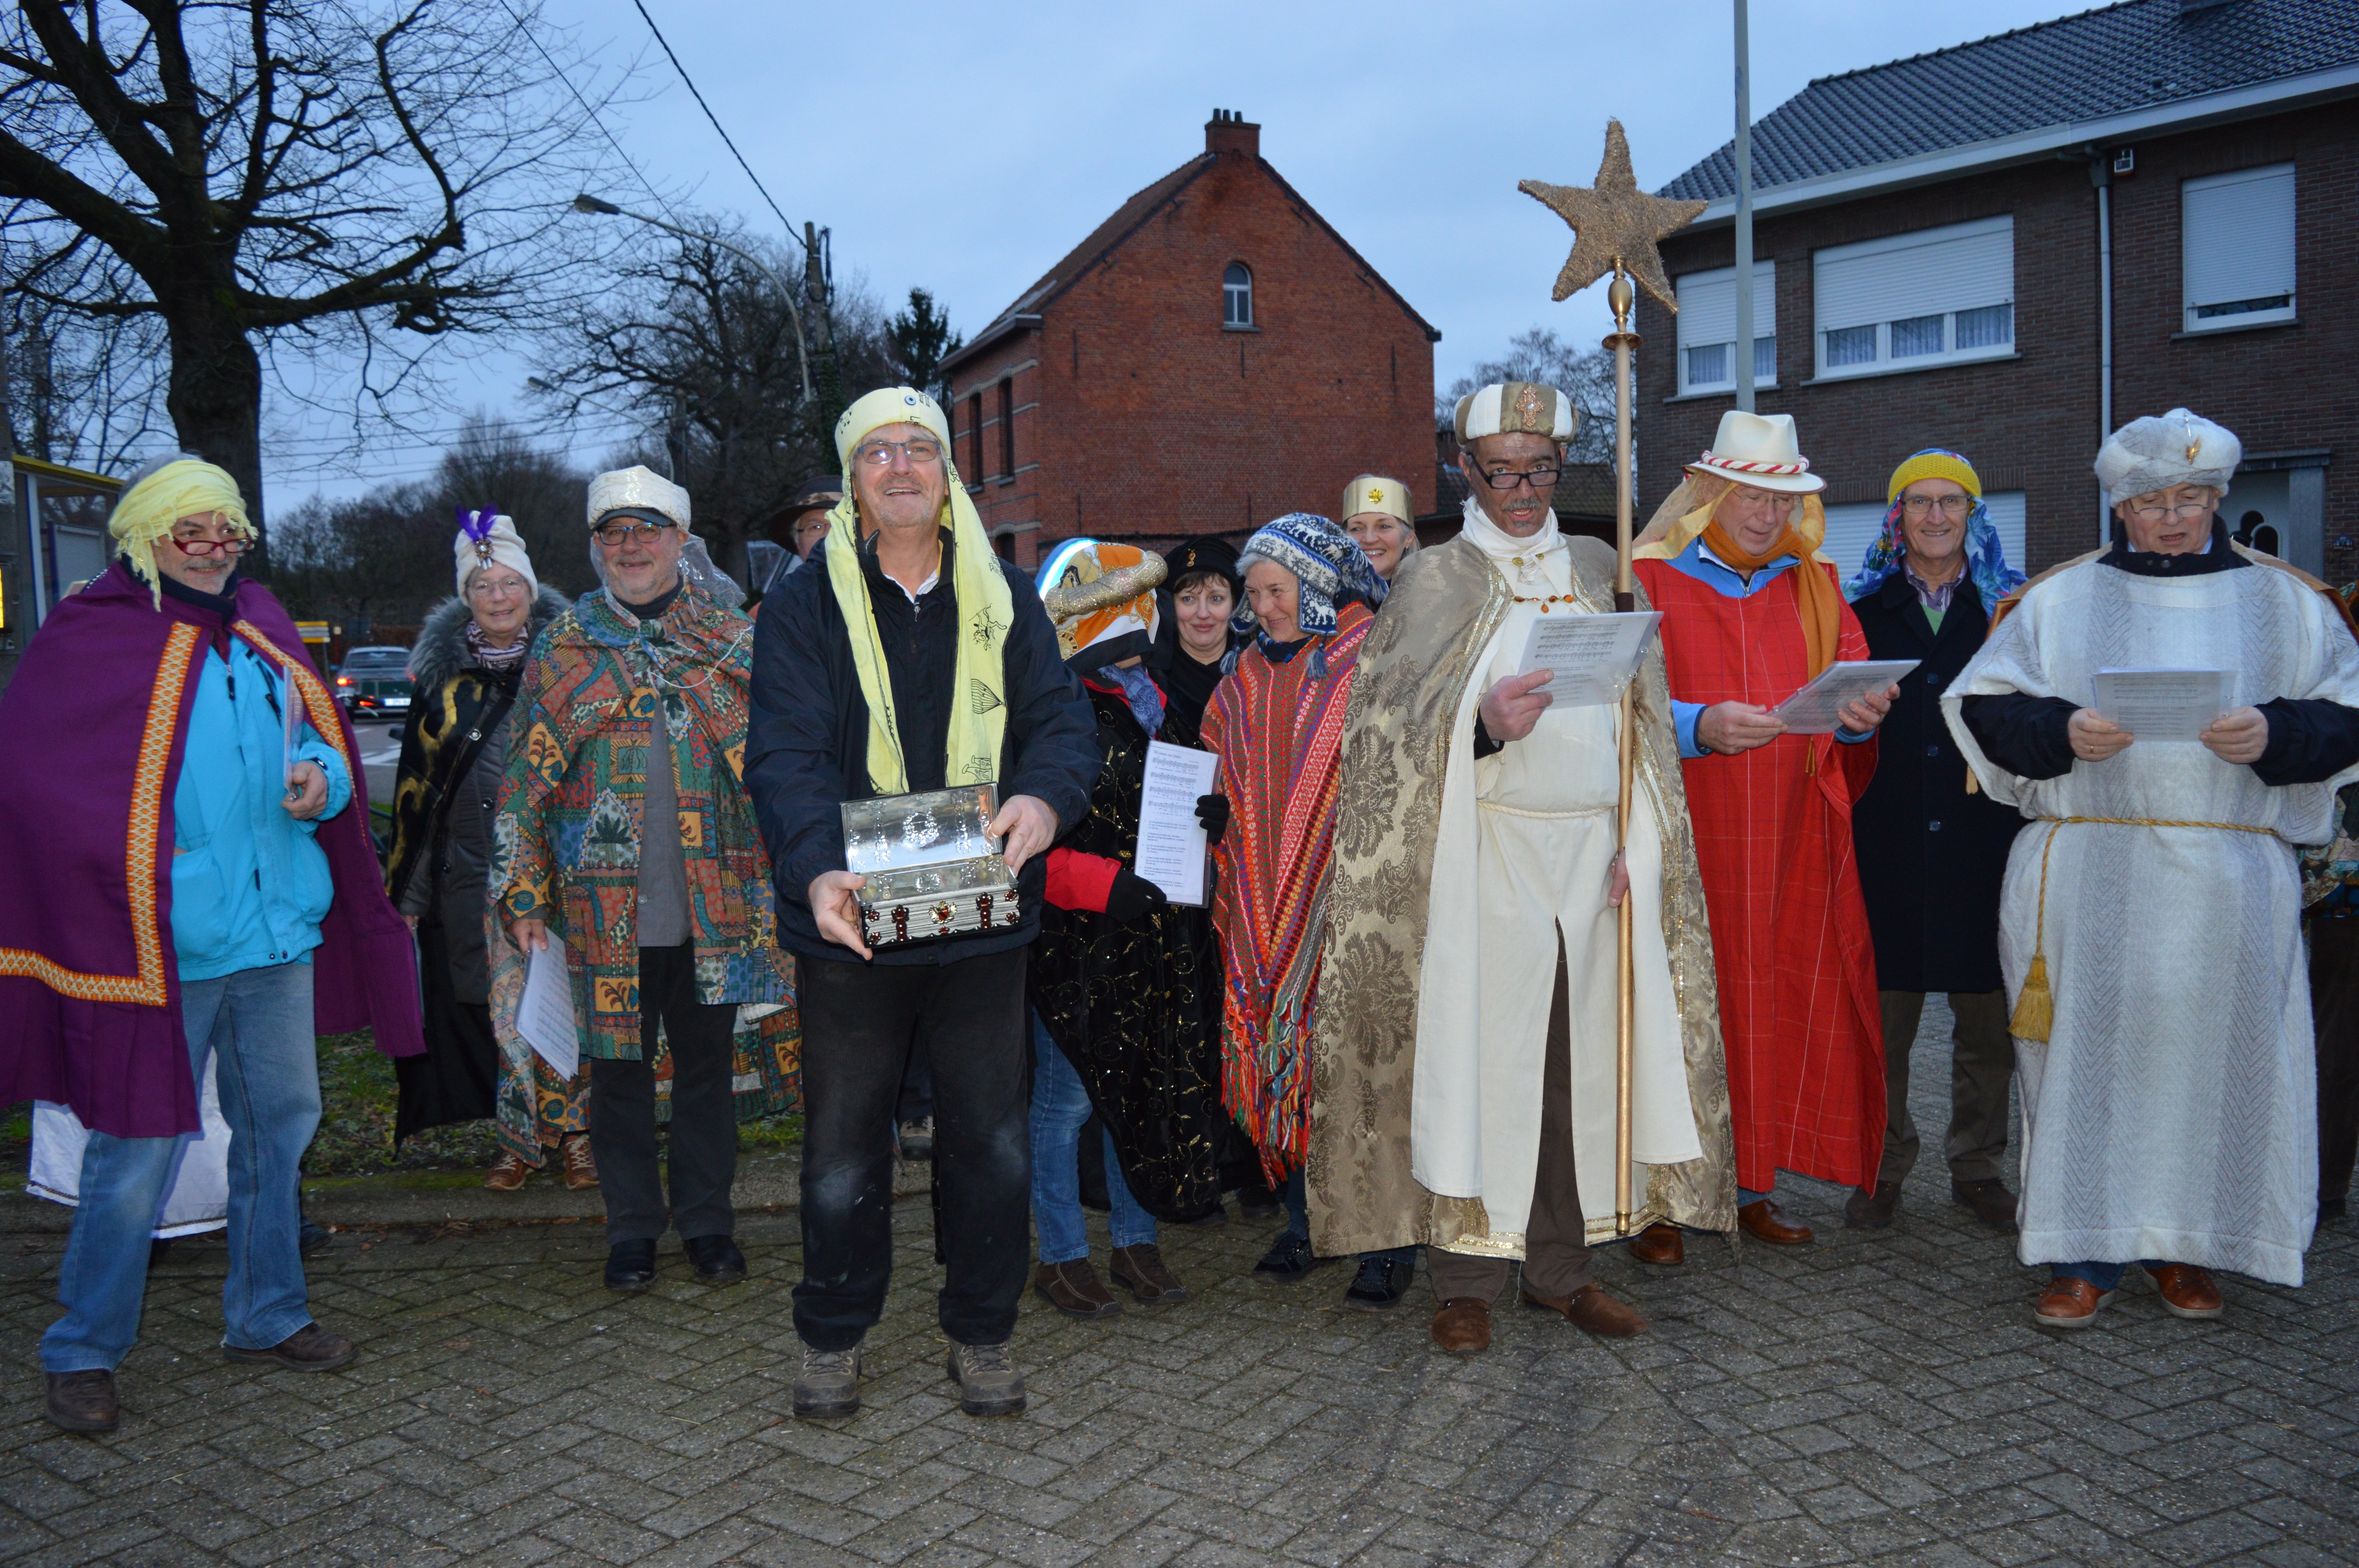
<point>1583,375</point>
<point>351,181</point>
<point>83,393</point>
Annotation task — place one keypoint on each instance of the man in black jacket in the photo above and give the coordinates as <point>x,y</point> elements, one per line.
<point>1932,856</point>
<point>910,660</point>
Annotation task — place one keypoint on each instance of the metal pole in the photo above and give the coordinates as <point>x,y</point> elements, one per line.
<point>1743,212</point>
<point>1621,296</point>
<point>2103,177</point>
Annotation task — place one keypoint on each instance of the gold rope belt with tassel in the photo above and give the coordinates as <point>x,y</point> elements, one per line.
<point>2035,1010</point>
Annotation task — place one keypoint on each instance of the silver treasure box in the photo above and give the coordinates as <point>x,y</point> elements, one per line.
<point>933,868</point>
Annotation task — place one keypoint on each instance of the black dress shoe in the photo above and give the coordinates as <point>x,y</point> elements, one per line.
<point>630,1265</point>
<point>1289,1259</point>
<point>1990,1200</point>
<point>1382,1280</point>
<point>715,1258</point>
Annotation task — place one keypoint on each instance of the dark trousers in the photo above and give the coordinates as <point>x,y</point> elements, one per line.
<point>703,1110</point>
<point>1981,1062</point>
<point>1556,1238</point>
<point>2334,1009</point>
<point>860,1023</point>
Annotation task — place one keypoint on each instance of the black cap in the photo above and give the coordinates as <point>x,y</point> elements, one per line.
<point>823,489</point>
<point>1205,553</point>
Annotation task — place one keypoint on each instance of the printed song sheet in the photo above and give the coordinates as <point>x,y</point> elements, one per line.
<point>1816,708</point>
<point>1170,840</point>
<point>2165,705</point>
<point>1591,656</point>
<point>545,1015</point>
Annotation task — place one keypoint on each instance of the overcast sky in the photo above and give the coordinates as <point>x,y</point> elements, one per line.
<point>963,148</point>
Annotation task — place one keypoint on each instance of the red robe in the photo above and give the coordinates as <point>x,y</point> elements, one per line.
<point>1789,936</point>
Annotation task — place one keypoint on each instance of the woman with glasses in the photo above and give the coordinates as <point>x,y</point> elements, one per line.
<point>1931,855</point>
<point>454,754</point>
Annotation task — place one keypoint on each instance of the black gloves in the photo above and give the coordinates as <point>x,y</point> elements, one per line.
<point>1213,811</point>
<point>1132,895</point>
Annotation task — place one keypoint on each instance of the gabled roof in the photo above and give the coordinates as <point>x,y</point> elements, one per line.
<point>1127,221</point>
<point>2137,65</point>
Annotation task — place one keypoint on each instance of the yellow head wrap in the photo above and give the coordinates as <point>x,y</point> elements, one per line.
<point>1933,463</point>
<point>985,609</point>
<point>144,515</point>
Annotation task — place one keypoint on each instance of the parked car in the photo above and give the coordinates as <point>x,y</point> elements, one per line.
<point>374,682</point>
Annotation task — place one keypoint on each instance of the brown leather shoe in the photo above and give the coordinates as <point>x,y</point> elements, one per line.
<point>1150,1279</point>
<point>84,1401</point>
<point>1463,1325</point>
<point>507,1173</point>
<point>1764,1221</point>
<point>310,1348</point>
<point>1590,1308</point>
<point>580,1165</point>
<point>1865,1210</point>
<point>2069,1304</point>
<point>1074,1289</point>
<point>1659,1244</point>
<point>2187,1291</point>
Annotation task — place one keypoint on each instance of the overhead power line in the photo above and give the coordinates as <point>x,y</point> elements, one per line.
<point>792,233</point>
<point>556,71</point>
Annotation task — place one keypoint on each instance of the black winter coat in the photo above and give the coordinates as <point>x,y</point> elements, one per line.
<point>1931,857</point>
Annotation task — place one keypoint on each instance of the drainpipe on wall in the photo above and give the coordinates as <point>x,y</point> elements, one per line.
<point>2102,178</point>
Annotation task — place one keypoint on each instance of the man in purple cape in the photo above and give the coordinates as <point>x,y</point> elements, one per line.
<point>188,873</point>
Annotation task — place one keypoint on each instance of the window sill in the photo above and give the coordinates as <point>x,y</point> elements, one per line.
<point>1885,370</point>
<point>2240,327</point>
<point>1758,386</point>
<point>1227,327</point>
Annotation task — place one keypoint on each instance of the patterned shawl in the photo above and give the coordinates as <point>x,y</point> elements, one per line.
<point>1278,729</point>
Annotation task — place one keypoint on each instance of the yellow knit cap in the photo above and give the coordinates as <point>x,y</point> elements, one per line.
<point>1933,463</point>
<point>144,515</point>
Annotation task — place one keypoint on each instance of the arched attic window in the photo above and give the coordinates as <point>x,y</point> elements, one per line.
<point>1236,296</point>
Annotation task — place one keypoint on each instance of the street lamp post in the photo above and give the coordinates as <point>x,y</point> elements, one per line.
<point>594,205</point>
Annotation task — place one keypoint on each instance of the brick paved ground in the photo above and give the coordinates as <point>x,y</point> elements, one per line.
<point>1879,1400</point>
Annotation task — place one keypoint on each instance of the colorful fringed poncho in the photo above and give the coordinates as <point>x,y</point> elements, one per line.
<point>1278,729</point>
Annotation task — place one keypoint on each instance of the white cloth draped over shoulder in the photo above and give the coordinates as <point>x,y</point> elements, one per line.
<point>2171,1113</point>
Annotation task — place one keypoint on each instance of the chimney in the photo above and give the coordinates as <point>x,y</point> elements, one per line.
<point>1230,132</point>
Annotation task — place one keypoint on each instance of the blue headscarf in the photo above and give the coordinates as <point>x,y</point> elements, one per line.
<point>1328,564</point>
<point>1986,563</point>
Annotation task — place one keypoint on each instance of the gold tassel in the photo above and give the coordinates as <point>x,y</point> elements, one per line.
<point>2035,1010</point>
<point>1973,784</point>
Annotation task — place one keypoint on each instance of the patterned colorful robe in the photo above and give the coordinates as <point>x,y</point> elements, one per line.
<point>1278,729</point>
<point>566,841</point>
<point>1799,1017</point>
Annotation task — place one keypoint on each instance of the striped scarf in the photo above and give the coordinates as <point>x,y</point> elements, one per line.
<point>1278,729</point>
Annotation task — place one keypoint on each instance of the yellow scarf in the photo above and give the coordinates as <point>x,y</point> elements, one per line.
<point>986,611</point>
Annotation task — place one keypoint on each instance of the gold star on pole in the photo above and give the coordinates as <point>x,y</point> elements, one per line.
<point>1614,223</point>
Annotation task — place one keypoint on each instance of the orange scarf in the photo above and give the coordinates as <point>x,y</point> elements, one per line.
<point>1822,603</point>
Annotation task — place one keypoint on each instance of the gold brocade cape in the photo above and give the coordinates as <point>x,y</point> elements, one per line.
<point>1428,642</point>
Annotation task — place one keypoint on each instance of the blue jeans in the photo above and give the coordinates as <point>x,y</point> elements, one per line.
<point>2104,1276</point>
<point>1059,1107</point>
<point>258,1024</point>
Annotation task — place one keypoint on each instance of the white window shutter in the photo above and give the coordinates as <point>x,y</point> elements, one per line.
<point>1932,272</point>
<point>2237,238</point>
<point>1708,311</point>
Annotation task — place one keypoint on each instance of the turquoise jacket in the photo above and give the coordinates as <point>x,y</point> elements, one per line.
<point>249,886</point>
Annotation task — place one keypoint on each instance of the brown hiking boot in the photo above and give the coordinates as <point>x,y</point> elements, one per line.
<point>310,1348</point>
<point>84,1401</point>
<point>1074,1289</point>
<point>507,1173</point>
<point>1150,1279</point>
<point>580,1165</point>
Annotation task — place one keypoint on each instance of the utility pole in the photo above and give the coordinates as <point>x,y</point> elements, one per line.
<point>819,289</point>
<point>1744,211</point>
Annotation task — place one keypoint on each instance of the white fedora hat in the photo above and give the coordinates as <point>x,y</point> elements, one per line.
<point>1758,449</point>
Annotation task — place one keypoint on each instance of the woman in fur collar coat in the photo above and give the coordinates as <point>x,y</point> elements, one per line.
<point>454,755</point>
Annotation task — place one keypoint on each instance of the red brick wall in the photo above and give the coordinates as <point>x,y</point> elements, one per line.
<point>2031,423</point>
<point>1138,415</point>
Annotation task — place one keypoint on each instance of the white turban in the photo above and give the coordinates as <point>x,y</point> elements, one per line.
<point>486,538</point>
<point>1515,408</point>
<point>637,489</point>
<point>2155,454</point>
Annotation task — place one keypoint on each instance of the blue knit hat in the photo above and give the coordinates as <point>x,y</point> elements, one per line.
<point>1328,564</point>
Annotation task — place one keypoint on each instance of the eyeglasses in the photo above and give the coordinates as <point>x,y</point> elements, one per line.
<point>921,453</point>
<point>237,546</point>
<point>504,588</point>
<point>1950,505</point>
<point>1541,479</point>
<point>2185,509</point>
<point>616,533</point>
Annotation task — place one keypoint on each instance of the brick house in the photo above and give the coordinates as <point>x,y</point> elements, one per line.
<point>1933,240</point>
<point>1212,355</point>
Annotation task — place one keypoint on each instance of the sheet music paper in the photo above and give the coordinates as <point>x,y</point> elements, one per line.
<point>1591,656</point>
<point>1171,844</point>
<point>1815,710</point>
<point>2165,704</point>
<point>545,1015</point>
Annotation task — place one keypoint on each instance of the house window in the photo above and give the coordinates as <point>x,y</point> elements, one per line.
<point>975,438</point>
<point>2236,240</point>
<point>1007,427</point>
<point>1912,301</point>
<point>1707,325</point>
<point>1236,297</point>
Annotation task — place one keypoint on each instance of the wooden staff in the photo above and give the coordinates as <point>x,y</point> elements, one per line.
<point>1620,295</point>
